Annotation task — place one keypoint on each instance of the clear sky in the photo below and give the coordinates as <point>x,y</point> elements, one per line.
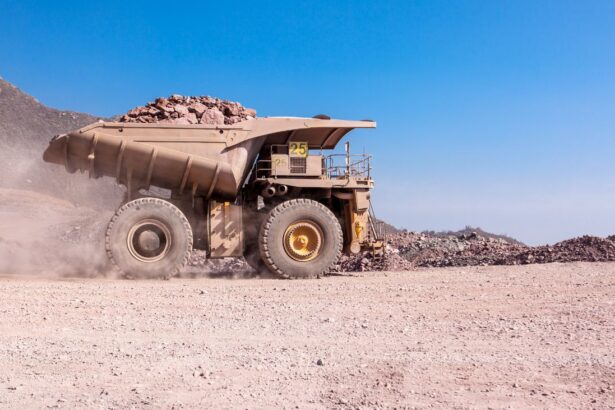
<point>498,114</point>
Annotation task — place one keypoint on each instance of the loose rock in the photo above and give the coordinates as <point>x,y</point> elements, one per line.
<point>406,250</point>
<point>178,109</point>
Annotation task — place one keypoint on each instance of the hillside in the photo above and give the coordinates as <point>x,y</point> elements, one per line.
<point>26,126</point>
<point>25,123</point>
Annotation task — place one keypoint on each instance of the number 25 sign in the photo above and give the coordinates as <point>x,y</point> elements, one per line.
<point>298,149</point>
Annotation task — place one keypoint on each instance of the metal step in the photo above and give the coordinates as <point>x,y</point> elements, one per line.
<point>377,250</point>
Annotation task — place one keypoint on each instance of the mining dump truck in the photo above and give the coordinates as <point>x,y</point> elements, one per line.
<point>261,188</point>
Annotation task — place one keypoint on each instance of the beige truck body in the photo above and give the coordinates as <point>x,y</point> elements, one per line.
<point>212,161</point>
<point>215,172</point>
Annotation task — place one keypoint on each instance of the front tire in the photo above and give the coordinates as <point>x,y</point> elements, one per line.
<point>300,238</point>
<point>149,238</point>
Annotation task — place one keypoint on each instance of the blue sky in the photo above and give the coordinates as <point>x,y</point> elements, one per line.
<point>498,114</point>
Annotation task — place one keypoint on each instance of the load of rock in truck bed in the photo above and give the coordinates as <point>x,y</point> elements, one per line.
<point>178,109</point>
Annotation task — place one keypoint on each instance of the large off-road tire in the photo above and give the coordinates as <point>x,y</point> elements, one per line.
<point>252,223</point>
<point>300,238</point>
<point>149,238</point>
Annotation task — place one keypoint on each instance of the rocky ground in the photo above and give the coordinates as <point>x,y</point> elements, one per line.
<point>406,250</point>
<point>476,337</point>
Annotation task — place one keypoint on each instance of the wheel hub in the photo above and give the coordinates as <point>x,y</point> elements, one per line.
<point>149,240</point>
<point>303,241</point>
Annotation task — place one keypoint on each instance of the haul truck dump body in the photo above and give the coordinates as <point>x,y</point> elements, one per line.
<point>216,175</point>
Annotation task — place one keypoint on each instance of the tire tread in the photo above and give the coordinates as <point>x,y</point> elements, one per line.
<point>157,202</point>
<point>297,203</point>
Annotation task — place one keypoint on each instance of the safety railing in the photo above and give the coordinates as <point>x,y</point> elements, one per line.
<point>335,166</point>
<point>348,165</point>
<point>378,229</point>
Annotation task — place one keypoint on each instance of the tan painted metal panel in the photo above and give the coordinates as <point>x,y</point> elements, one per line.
<point>207,160</point>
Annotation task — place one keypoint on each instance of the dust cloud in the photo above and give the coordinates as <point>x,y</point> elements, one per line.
<point>52,223</point>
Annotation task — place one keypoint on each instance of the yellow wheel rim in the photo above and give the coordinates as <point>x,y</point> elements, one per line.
<point>303,241</point>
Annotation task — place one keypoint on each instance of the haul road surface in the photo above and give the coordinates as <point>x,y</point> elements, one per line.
<point>538,335</point>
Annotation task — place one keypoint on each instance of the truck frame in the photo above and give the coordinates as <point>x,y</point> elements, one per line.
<point>262,188</point>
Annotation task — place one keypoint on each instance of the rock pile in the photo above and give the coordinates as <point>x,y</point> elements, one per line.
<point>585,248</point>
<point>178,109</point>
<point>364,262</point>
<point>406,250</point>
<point>452,250</point>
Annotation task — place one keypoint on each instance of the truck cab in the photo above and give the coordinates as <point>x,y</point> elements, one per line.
<point>300,169</point>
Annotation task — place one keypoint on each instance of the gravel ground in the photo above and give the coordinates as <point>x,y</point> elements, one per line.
<point>519,336</point>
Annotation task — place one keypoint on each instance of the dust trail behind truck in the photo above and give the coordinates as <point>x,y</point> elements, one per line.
<point>261,188</point>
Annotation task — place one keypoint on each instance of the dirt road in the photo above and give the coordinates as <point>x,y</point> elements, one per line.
<point>540,335</point>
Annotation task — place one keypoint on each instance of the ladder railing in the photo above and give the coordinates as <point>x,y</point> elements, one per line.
<point>377,228</point>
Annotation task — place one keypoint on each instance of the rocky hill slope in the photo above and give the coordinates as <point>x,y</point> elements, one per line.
<point>26,126</point>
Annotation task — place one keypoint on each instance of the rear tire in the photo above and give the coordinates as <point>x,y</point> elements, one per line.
<point>149,238</point>
<point>300,238</point>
